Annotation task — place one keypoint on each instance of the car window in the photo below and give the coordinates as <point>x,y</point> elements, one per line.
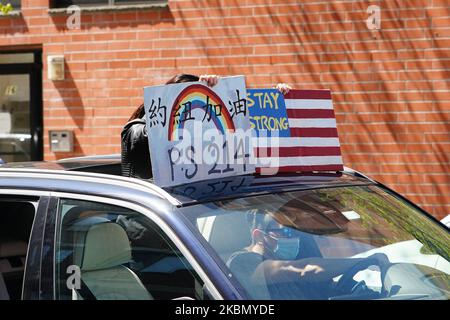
<point>357,242</point>
<point>16,220</point>
<point>106,252</point>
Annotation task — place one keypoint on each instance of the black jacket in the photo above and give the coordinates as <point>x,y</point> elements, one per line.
<point>135,150</point>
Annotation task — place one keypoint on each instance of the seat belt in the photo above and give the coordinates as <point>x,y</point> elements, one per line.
<point>84,292</point>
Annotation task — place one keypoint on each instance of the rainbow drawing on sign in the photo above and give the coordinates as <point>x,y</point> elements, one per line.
<point>195,97</point>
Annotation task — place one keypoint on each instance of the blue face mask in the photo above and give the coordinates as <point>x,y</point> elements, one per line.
<point>287,248</point>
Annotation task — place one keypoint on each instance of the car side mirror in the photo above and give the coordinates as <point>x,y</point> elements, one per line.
<point>446,221</point>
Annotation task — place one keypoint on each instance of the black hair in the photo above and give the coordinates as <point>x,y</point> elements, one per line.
<point>259,220</point>
<point>183,77</point>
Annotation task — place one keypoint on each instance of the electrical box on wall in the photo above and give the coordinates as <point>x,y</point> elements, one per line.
<point>61,141</point>
<point>55,68</point>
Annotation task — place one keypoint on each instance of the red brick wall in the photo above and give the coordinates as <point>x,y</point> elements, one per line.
<point>390,86</point>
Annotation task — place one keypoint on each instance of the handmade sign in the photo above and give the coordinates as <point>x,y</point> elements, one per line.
<point>296,132</point>
<point>197,132</point>
<point>268,114</point>
<point>209,189</point>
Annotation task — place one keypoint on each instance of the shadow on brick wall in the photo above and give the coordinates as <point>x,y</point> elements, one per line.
<point>13,25</point>
<point>70,95</point>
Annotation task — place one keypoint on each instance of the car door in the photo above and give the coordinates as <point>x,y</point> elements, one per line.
<point>22,219</point>
<point>107,249</point>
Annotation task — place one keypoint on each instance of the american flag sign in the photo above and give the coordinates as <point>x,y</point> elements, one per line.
<point>307,142</point>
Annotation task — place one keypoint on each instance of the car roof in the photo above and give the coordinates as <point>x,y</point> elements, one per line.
<point>254,185</point>
<point>75,164</point>
<point>194,192</point>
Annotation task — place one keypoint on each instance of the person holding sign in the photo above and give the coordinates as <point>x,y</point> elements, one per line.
<point>135,151</point>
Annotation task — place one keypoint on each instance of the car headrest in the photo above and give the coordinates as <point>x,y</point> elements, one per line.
<point>12,248</point>
<point>106,246</point>
<point>220,238</point>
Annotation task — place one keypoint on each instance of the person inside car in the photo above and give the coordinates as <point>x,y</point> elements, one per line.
<point>270,268</point>
<point>135,154</point>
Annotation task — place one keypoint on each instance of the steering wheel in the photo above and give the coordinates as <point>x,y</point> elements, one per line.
<point>346,282</point>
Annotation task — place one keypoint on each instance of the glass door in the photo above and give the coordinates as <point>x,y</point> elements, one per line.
<point>15,131</point>
<point>20,108</point>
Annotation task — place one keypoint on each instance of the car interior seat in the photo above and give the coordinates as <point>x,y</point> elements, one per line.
<point>12,264</point>
<point>105,252</point>
<point>227,233</point>
<point>230,233</point>
<point>16,220</point>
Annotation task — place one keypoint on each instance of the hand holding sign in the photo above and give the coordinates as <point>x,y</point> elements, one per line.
<point>283,88</point>
<point>210,79</point>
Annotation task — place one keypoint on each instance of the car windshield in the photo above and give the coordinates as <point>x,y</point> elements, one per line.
<point>355,242</point>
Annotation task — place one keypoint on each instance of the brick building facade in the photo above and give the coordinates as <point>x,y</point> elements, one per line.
<point>390,86</point>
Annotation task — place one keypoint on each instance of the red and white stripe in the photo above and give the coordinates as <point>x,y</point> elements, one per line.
<point>314,142</point>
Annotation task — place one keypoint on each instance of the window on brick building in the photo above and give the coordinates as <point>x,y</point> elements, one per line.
<point>66,3</point>
<point>14,3</point>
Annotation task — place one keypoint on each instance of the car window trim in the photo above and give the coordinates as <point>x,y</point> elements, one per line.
<point>32,273</point>
<point>215,293</point>
<point>134,183</point>
<point>47,288</point>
